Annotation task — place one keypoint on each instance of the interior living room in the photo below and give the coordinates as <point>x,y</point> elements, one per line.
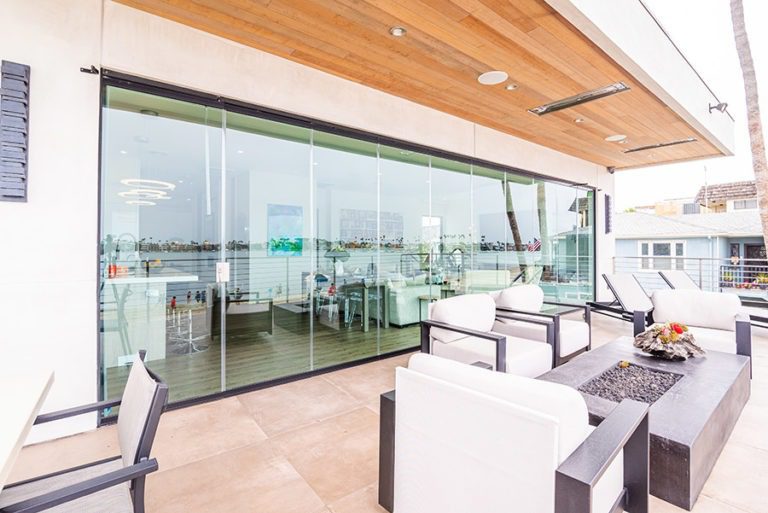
<point>261,218</point>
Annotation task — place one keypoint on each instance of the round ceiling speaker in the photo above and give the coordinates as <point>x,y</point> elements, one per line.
<point>493,77</point>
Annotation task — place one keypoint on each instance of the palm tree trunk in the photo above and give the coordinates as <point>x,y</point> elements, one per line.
<point>541,203</point>
<point>512,219</point>
<point>756,141</point>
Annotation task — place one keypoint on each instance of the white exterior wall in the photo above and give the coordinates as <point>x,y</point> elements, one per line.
<point>48,307</point>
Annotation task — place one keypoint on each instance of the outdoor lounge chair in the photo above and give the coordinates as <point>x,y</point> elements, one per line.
<point>461,328</point>
<point>457,438</point>
<point>571,337</point>
<point>116,484</point>
<point>631,304</point>
<point>716,320</point>
<point>757,310</point>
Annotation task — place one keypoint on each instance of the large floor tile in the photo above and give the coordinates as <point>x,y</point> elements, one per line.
<point>44,458</point>
<point>703,505</point>
<point>286,407</point>
<point>253,478</point>
<point>336,456</point>
<point>364,500</point>
<point>194,433</point>
<point>368,380</point>
<point>739,478</point>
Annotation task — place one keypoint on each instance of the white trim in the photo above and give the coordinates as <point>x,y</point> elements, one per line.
<point>673,258</point>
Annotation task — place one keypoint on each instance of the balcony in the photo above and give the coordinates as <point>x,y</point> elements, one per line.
<point>311,446</point>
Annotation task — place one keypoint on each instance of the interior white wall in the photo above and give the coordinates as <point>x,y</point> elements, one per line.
<point>48,308</point>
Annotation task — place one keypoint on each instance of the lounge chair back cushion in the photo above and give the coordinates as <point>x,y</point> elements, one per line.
<point>472,311</point>
<point>697,308</point>
<point>138,398</point>
<point>562,403</point>
<point>522,297</point>
<point>628,292</point>
<point>679,280</point>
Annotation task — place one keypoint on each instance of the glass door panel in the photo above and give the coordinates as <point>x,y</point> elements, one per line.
<point>351,303</point>
<point>160,232</point>
<point>267,301</point>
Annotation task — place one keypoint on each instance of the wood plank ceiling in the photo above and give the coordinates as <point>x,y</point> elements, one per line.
<point>447,45</point>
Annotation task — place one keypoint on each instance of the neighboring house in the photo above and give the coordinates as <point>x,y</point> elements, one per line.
<point>728,197</point>
<point>720,236</point>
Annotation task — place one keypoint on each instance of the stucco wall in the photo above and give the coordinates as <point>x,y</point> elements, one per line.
<point>48,307</point>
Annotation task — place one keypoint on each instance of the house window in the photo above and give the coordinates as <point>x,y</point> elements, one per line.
<point>745,204</point>
<point>662,255</point>
<point>691,208</point>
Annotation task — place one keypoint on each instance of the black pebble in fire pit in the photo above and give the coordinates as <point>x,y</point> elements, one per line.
<point>634,382</point>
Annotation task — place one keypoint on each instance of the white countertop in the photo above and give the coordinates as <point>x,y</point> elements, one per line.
<point>171,278</point>
<point>22,394</point>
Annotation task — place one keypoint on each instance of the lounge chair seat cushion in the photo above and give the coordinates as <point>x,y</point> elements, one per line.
<point>524,357</point>
<point>574,334</point>
<point>116,499</point>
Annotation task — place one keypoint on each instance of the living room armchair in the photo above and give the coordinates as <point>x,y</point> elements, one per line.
<point>457,438</point>
<point>461,328</point>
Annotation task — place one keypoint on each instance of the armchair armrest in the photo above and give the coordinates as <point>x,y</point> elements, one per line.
<point>82,489</point>
<point>625,428</point>
<point>552,326</point>
<point>500,340</point>
<point>77,410</point>
<point>744,337</point>
<point>587,311</point>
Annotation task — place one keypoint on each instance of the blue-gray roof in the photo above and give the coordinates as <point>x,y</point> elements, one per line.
<point>639,225</point>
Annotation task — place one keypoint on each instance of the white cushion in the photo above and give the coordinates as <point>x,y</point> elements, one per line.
<point>574,335</point>
<point>471,311</point>
<point>714,340</point>
<point>522,297</point>
<point>561,402</point>
<point>696,308</point>
<point>629,292</point>
<point>610,485</point>
<point>524,357</point>
<point>137,399</point>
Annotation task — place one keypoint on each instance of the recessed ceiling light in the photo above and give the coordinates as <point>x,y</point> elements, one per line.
<point>616,138</point>
<point>578,120</point>
<point>625,141</point>
<point>149,184</point>
<point>141,203</point>
<point>510,87</point>
<point>398,31</point>
<point>493,77</point>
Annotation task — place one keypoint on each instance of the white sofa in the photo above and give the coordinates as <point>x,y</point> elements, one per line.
<point>461,328</point>
<point>468,440</point>
<point>516,305</point>
<point>716,320</point>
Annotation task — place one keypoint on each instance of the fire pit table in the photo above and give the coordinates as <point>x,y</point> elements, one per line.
<point>694,406</point>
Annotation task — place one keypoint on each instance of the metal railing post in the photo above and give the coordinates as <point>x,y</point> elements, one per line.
<point>700,272</point>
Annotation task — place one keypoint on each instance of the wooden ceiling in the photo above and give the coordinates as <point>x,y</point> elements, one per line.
<point>447,45</point>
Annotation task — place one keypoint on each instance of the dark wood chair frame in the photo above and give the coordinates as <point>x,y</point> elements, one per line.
<point>625,429</point>
<point>135,473</point>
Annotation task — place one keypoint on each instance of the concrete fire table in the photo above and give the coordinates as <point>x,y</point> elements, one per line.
<point>689,424</point>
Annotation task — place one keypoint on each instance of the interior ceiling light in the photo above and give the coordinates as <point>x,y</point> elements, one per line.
<point>148,112</point>
<point>661,145</point>
<point>580,98</point>
<point>144,193</point>
<point>578,120</point>
<point>141,203</point>
<point>493,77</point>
<point>510,87</point>
<point>398,31</point>
<point>616,138</point>
<point>148,184</point>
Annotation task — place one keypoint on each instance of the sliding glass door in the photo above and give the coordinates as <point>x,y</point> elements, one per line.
<point>237,250</point>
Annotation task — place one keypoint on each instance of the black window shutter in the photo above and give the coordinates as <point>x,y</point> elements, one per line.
<point>14,130</point>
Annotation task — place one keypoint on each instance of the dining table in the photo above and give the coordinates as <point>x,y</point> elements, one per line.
<point>22,394</point>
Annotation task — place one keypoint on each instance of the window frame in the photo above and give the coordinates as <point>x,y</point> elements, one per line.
<point>645,262</point>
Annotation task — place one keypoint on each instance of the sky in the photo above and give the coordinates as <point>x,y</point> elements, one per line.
<point>703,32</point>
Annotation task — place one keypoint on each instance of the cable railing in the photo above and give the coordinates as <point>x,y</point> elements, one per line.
<point>745,277</point>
